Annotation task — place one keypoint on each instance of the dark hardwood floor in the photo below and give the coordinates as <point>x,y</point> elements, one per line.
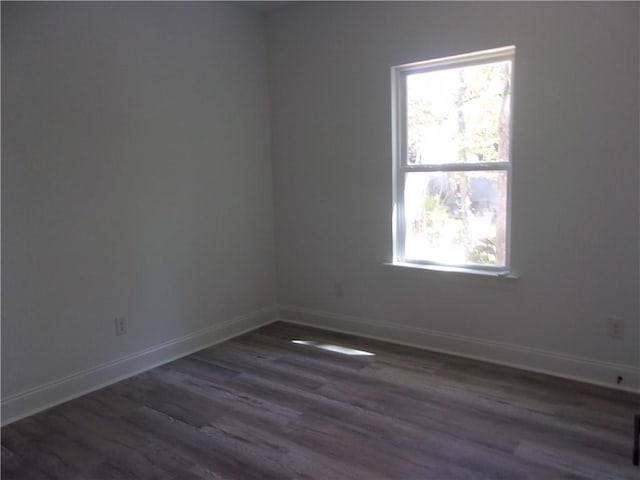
<point>284,402</point>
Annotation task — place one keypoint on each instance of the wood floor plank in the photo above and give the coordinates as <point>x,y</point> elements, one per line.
<point>231,401</point>
<point>282,452</point>
<point>194,444</point>
<point>590,466</point>
<point>123,448</point>
<point>15,466</point>
<point>172,400</point>
<point>293,402</point>
<point>45,453</point>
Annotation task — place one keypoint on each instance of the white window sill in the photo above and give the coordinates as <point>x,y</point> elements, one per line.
<point>495,276</point>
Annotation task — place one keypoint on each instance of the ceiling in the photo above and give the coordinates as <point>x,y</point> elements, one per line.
<point>268,6</point>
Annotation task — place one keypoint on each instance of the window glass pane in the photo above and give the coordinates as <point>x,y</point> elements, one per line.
<point>459,115</point>
<point>456,217</point>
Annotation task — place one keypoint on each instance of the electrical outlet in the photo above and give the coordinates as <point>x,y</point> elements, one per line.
<point>121,326</point>
<point>615,328</point>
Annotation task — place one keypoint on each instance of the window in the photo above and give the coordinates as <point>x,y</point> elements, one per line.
<point>452,165</point>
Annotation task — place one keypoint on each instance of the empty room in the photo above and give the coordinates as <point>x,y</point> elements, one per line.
<point>320,240</point>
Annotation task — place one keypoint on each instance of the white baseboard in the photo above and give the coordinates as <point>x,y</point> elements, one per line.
<point>571,367</point>
<point>23,404</point>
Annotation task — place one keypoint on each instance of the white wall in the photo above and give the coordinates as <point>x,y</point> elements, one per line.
<point>575,189</point>
<point>136,181</point>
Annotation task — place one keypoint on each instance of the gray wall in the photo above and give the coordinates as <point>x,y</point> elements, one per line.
<point>575,154</point>
<point>135,179</point>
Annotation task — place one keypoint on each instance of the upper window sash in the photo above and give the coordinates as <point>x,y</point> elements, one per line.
<point>399,76</point>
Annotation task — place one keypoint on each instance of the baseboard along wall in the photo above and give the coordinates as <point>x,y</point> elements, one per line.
<point>34,400</point>
<point>562,365</point>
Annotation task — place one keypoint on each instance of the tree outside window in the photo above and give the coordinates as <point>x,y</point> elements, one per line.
<point>453,163</point>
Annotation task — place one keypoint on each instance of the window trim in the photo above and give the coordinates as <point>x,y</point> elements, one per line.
<point>399,75</point>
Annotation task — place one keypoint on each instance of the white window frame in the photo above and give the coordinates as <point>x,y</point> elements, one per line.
<point>399,75</point>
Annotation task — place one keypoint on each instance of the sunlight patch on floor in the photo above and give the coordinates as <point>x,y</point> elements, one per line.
<point>334,348</point>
